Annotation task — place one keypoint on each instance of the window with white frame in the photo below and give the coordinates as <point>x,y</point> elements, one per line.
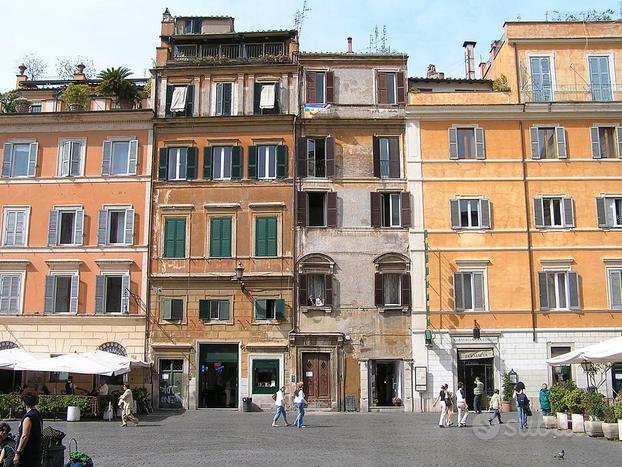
<point>466,143</point>
<point>15,227</point>
<point>558,290</point>
<point>269,309</point>
<point>224,99</point>
<point>391,211</point>
<point>266,98</point>
<point>214,310</point>
<point>177,163</point>
<point>469,291</point>
<point>112,293</point>
<point>606,142</point>
<point>116,226</point>
<point>221,162</point>
<point>70,158</point>
<point>470,213</point>
<point>266,162</point>
<point>172,309</point>
<point>392,284</point>
<point>66,226</point>
<point>19,159</point>
<point>554,212</point>
<point>120,157</point>
<point>609,212</point>
<point>10,292</point>
<point>615,288</point>
<point>548,142</point>
<point>61,293</point>
<point>600,78</point>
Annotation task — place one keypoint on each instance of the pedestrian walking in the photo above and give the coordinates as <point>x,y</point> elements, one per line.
<point>522,404</point>
<point>463,408</point>
<point>545,403</point>
<point>28,452</point>
<point>443,400</point>
<point>126,402</point>
<point>451,403</point>
<point>279,402</point>
<point>478,390</point>
<point>7,445</point>
<point>495,405</point>
<point>299,402</point>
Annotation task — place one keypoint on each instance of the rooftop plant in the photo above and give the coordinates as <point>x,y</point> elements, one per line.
<point>115,82</point>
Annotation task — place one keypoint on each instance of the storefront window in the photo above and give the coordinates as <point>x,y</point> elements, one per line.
<point>265,376</point>
<point>561,372</point>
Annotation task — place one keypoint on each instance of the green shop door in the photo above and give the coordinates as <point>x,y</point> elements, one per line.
<point>171,384</point>
<point>218,375</point>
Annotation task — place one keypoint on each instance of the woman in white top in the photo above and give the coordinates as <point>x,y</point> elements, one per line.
<point>299,402</point>
<point>279,402</point>
<point>463,408</point>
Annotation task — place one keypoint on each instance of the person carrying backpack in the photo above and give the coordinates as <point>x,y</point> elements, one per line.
<point>279,401</point>
<point>522,404</point>
<point>7,446</point>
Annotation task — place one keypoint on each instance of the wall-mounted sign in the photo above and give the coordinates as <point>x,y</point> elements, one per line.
<point>421,378</point>
<point>475,354</point>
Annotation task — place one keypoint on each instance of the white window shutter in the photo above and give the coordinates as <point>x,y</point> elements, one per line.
<point>65,156</point>
<point>6,161</point>
<point>595,142</point>
<point>560,135</point>
<point>32,159</point>
<point>75,288</point>
<point>568,212</point>
<point>129,226</point>
<point>133,157</point>
<point>480,152</point>
<point>53,228</point>
<point>79,227</point>
<point>535,142</point>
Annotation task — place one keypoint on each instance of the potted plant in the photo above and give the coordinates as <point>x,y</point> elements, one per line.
<point>617,410</point>
<point>398,402</point>
<point>508,393</point>
<point>595,406</point>
<point>610,423</point>
<point>558,405</point>
<point>575,401</point>
<point>77,96</point>
<point>115,82</point>
<point>21,105</point>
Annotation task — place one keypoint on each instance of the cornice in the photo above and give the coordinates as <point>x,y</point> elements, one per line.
<point>61,121</point>
<point>219,123</point>
<point>394,122</point>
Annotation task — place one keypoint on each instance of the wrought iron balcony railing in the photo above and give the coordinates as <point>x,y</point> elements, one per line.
<point>572,93</point>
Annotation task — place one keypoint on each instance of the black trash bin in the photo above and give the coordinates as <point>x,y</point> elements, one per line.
<point>247,404</point>
<point>53,448</point>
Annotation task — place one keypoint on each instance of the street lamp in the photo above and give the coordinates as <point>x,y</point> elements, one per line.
<point>239,274</point>
<point>513,376</point>
<point>588,369</point>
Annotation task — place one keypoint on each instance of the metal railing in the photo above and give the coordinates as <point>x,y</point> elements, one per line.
<point>572,92</point>
<point>228,51</point>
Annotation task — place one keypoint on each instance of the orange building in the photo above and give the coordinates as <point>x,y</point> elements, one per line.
<point>222,236</point>
<point>74,213</point>
<point>521,205</point>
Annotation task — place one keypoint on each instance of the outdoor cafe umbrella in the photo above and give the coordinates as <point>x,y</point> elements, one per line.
<point>9,358</point>
<point>120,363</point>
<point>608,351</point>
<point>69,363</point>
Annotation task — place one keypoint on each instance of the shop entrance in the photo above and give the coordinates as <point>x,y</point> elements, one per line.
<point>386,382</point>
<point>316,378</point>
<point>616,377</point>
<point>473,363</point>
<point>171,386</point>
<point>218,375</point>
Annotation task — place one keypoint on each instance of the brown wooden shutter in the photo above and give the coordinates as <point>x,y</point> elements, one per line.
<point>330,156</point>
<point>311,95</point>
<point>330,87</point>
<point>331,209</point>
<point>301,158</point>
<point>376,156</point>
<point>301,211</point>
<point>394,157</point>
<point>328,289</point>
<point>376,209</point>
<point>381,88</point>
<point>406,289</point>
<point>401,91</point>
<point>378,290</point>
<point>405,207</point>
<point>302,290</point>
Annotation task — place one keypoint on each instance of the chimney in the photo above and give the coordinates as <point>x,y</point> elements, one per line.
<point>433,73</point>
<point>469,59</point>
<point>350,45</point>
<point>493,48</point>
<point>79,74</point>
<point>22,76</point>
<point>482,69</point>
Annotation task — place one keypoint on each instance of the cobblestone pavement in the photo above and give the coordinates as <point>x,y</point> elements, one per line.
<point>206,437</point>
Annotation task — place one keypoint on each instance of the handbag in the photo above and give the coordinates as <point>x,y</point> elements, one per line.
<point>527,409</point>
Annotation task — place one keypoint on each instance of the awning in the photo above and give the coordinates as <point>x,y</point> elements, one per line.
<point>178,100</point>
<point>609,351</point>
<point>266,99</point>
<point>9,358</point>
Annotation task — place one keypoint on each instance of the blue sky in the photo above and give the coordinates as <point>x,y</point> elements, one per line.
<point>125,32</point>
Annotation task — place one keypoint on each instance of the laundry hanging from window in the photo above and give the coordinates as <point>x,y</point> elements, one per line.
<point>267,96</point>
<point>178,101</point>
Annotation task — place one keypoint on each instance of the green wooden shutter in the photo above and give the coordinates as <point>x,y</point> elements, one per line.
<point>225,239</point>
<point>236,162</point>
<point>163,164</point>
<point>260,309</point>
<point>166,309</point>
<point>279,306</point>
<point>223,310</point>
<point>192,162</point>
<point>175,237</point>
<point>220,237</point>
<point>207,162</point>
<point>271,245</point>
<point>204,310</point>
<point>252,162</point>
<point>260,236</point>
<point>281,161</point>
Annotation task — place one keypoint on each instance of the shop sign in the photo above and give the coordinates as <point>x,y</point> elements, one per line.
<point>421,378</point>
<point>475,354</point>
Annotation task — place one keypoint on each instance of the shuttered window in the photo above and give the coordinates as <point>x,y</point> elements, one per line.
<point>558,290</point>
<point>390,88</point>
<point>609,212</point>
<point>116,226</point>
<point>120,157</point>
<point>175,237</point>
<point>266,236</point>
<point>548,143</point>
<point>554,213</point>
<point>269,309</point>
<point>61,293</point>
<point>466,143</point>
<point>214,310</point>
<point>316,157</point>
<point>392,289</point>
<point>220,237</point>
<point>172,309</point>
<point>66,227</point>
<point>606,142</point>
<point>469,291</point>
<point>19,160</point>
<point>386,155</point>
<point>112,294</point>
<point>10,293</point>
<point>14,231</point>
<point>470,213</point>
<point>70,155</point>
<point>615,289</point>
<point>179,101</point>
<point>224,99</point>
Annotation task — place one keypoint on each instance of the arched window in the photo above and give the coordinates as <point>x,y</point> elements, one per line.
<point>315,282</point>
<point>113,347</point>
<point>392,281</point>
<point>4,345</point>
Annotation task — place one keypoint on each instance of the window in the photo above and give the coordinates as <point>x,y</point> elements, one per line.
<point>112,293</point>
<point>600,79</point>
<point>222,163</point>
<point>20,160</point>
<point>470,213</point>
<point>314,289</point>
<point>172,309</point>
<point>178,163</point>
<point>606,142</point>
<point>70,158</point>
<point>609,212</point>
<point>10,292</point>
<point>560,373</point>
<point>615,289</point>
<point>15,229</point>
<point>548,143</point>
<point>66,227</point>
<point>390,209</point>
<point>116,226</point>
<point>192,26</point>
<point>320,87</point>
<point>541,79</point>
<point>316,157</point>
<point>469,291</point>
<point>466,143</point>
<point>266,98</point>
<point>266,236</point>
<point>392,287</point>
<point>317,210</point>
<point>120,157</point>
<point>554,212</point>
<point>559,290</point>
<point>175,237</point>
<point>267,162</point>
<point>390,87</point>
<point>61,293</point>
<point>269,309</point>
<point>214,310</point>
<point>265,376</point>
<point>35,107</point>
<point>386,156</point>
<point>220,237</point>
<point>224,99</point>
<point>179,101</point>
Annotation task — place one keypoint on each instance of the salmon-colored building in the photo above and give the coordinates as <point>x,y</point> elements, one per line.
<point>74,213</point>
<point>522,207</point>
<point>222,235</point>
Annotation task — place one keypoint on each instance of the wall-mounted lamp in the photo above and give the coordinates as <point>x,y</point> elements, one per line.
<point>239,274</point>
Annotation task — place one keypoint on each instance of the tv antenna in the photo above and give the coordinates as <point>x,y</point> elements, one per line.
<point>300,15</point>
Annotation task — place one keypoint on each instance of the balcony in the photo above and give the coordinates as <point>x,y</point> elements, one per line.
<point>269,52</point>
<point>572,93</point>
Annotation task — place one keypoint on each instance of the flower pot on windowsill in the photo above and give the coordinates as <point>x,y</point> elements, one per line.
<point>562,420</point>
<point>578,423</point>
<point>76,107</point>
<point>594,428</point>
<point>550,422</point>
<point>22,105</point>
<point>611,431</point>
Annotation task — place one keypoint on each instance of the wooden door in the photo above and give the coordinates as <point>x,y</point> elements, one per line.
<point>316,378</point>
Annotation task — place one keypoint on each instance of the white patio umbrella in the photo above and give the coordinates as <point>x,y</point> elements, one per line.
<point>608,351</point>
<point>9,358</point>
<point>69,363</point>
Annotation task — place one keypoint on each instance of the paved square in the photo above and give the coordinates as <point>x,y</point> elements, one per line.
<point>211,437</point>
